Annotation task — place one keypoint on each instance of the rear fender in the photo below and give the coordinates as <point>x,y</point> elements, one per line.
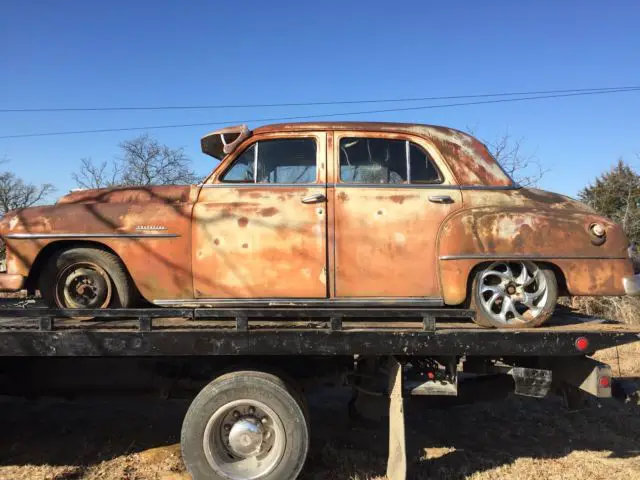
<point>558,237</point>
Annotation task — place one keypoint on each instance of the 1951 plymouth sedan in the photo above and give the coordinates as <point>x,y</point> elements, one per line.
<point>350,214</point>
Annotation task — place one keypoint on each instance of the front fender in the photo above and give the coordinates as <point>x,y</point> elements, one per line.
<point>484,234</point>
<point>153,240</point>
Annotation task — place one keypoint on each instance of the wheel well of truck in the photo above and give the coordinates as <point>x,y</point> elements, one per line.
<point>560,278</point>
<point>51,249</point>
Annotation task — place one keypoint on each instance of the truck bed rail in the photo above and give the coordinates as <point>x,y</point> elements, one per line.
<point>293,331</point>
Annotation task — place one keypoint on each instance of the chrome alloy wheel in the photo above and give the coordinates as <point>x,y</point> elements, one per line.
<point>513,292</point>
<point>244,439</point>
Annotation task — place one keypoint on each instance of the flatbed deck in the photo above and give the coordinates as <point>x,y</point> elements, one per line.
<point>294,331</point>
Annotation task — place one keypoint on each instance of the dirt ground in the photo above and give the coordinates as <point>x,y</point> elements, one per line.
<point>524,438</point>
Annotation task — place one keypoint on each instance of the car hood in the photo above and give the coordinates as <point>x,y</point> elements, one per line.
<point>102,210</point>
<point>144,194</point>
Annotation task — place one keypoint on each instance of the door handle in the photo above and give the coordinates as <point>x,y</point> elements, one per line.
<point>317,198</point>
<point>440,199</point>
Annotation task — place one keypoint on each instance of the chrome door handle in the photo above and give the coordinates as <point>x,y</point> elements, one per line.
<point>317,198</point>
<point>440,199</point>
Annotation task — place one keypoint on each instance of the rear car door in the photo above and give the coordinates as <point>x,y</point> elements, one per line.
<point>392,193</point>
<point>260,224</point>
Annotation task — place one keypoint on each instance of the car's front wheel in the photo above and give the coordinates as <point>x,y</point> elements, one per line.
<point>514,294</point>
<point>85,278</point>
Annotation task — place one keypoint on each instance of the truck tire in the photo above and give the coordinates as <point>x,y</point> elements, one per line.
<point>245,424</point>
<point>85,277</point>
<point>513,294</point>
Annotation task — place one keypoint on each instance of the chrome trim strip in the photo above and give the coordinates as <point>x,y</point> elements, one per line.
<point>150,227</point>
<point>396,185</point>
<point>263,185</point>
<point>495,256</point>
<point>300,302</point>
<point>24,236</point>
<point>360,185</point>
<point>489,187</point>
<point>423,185</point>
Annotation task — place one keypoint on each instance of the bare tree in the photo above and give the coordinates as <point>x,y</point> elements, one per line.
<point>143,161</point>
<point>524,168</point>
<point>509,152</point>
<point>92,175</point>
<point>15,193</point>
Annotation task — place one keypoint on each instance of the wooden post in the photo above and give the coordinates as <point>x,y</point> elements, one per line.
<point>397,459</point>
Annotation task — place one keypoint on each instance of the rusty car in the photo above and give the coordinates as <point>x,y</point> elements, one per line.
<point>324,214</point>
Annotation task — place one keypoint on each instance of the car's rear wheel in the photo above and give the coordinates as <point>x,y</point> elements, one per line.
<point>514,294</point>
<point>85,278</point>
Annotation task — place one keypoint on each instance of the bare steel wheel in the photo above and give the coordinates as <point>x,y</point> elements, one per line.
<point>245,425</point>
<point>244,439</point>
<point>83,285</point>
<point>85,278</point>
<point>514,294</point>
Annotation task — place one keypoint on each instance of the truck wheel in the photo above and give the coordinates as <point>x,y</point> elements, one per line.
<point>85,278</point>
<point>514,294</point>
<point>245,425</point>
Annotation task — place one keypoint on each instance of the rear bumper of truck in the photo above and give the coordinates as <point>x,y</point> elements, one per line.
<point>11,282</point>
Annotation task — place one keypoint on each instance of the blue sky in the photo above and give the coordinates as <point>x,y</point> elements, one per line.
<point>89,53</point>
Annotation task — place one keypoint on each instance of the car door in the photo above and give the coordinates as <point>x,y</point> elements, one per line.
<point>392,193</point>
<point>259,225</point>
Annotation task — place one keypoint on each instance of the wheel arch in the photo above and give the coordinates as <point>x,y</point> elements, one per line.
<point>480,264</point>
<point>51,249</point>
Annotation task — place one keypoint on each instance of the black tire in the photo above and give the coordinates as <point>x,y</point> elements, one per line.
<point>122,292</point>
<point>246,385</point>
<point>483,319</point>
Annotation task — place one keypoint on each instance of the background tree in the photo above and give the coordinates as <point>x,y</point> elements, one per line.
<point>616,194</point>
<point>142,161</point>
<point>15,193</point>
<point>93,175</point>
<point>524,168</point>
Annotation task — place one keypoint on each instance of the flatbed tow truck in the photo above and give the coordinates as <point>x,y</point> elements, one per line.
<point>251,420</point>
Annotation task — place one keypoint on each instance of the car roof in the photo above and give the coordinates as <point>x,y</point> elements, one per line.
<point>374,126</point>
<point>469,159</point>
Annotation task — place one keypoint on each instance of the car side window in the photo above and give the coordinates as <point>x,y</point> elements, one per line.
<point>242,169</point>
<point>385,161</point>
<point>291,160</point>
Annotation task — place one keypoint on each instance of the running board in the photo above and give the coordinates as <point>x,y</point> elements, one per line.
<point>372,302</point>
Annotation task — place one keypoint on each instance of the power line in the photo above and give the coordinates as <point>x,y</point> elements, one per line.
<point>309,104</point>
<point>324,115</point>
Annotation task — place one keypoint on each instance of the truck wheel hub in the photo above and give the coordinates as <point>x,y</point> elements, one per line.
<point>245,437</point>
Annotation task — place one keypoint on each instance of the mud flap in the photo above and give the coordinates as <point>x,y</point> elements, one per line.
<point>586,374</point>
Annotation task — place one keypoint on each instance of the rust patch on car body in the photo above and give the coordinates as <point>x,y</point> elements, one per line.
<point>387,248</point>
<point>287,254</point>
<point>268,212</point>
<point>534,225</point>
<point>109,219</point>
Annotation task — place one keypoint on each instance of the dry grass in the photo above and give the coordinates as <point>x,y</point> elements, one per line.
<point>623,309</point>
